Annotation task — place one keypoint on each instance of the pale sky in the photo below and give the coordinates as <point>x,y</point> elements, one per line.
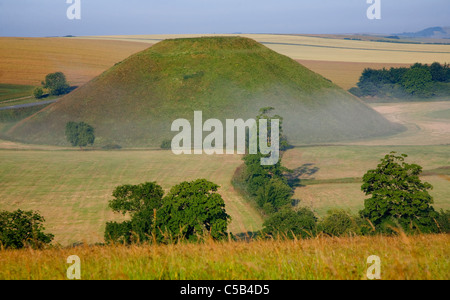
<point>114,17</point>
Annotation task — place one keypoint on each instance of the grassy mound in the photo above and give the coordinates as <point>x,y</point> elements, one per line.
<point>134,103</point>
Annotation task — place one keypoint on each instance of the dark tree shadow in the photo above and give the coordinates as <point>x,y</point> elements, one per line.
<point>307,170</point>
<point>247,236</point>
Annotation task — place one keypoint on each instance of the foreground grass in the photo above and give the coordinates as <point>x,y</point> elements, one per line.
<point>421,257</point>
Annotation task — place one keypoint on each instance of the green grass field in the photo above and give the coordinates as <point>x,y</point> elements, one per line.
<point>71,188</point>
<point>14,91</point>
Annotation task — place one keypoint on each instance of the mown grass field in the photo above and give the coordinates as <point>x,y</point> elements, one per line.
<point>421,257</point>
<point>71,188</point>
<point>331,177</point>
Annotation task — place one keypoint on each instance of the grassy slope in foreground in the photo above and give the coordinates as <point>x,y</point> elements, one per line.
<point>415,257</point>
<point>135,102</point>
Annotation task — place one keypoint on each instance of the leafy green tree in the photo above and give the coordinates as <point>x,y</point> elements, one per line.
<point>267,184</point>
<point>38,93</point>
<point>139,203</point>
<point>289,223</point>
<point>438,72</point>
<point>80,134</point>
<point>19,229</point>
<point>190,210</point>
<point>417,81</point>
<point>56,83</point>
<point>276,192</point>
<point>398,196</point>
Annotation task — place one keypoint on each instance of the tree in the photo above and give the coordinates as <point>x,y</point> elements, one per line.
<point>139,203</point>
<point>56,83</point>
<point>190,210</point>
<point>398,196</point>
<point>80,134</point>
<point>438,72</point>
<point>19,229</point>
<point>289,223</point>
<point>38,93</point>
<point>267,184</point>
<point>417,81</point>
<point>264,113</point>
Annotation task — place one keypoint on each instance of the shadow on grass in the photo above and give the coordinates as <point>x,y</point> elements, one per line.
<point>293,177</point>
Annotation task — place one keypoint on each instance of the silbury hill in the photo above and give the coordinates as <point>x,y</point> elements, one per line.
<point>134,103</point>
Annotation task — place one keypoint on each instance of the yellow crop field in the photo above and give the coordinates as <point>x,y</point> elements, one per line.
<point>325,49</point>
<point>27,60</point>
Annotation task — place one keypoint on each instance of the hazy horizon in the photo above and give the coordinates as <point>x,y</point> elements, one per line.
<point>29,18</point>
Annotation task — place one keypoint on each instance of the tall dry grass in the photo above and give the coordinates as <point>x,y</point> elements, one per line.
<point>421,257</point>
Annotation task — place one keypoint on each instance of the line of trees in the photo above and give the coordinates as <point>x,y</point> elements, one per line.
<point>267,185</point>
<point>188,212</point>
<point>419,80</point>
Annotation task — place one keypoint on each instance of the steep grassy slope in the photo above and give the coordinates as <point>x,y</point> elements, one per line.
<point>135,102</point>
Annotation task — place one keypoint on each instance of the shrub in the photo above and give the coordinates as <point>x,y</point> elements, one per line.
<point>417,81</point>
<point>19,229</point>
<point>56,83</point>
<point>291,224</point>
<point>38,93</point>
<point>166,144</point>
<point>80,134</point>
<point>338,223</point>
<point>443,220</point>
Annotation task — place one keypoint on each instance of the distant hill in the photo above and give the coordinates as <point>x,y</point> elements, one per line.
<point>432,32</point>
<point>134,103</point>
